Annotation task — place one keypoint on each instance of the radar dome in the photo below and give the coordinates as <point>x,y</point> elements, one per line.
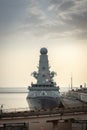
<point>43,50</point>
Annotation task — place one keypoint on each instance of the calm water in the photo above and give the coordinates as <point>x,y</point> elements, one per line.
<point>13,100</point>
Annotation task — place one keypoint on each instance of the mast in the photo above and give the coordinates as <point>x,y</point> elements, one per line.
<point>44,76</point>
<point>71,82</point>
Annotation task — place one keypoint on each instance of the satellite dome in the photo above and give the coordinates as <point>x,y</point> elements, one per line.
<point>43,50</point>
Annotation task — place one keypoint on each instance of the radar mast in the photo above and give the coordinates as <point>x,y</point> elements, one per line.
<point>44,76</point>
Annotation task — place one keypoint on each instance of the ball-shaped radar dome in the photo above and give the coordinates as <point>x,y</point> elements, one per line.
<point>43,50</point>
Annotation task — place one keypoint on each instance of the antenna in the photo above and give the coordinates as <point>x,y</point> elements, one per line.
<point>71,82</point>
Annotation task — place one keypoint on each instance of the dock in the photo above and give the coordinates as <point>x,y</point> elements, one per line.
<point>73,116</point>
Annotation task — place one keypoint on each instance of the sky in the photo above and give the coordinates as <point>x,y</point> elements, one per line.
<point>28,25</point>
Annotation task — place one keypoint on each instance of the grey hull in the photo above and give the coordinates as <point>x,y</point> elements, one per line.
<point>43,103</point>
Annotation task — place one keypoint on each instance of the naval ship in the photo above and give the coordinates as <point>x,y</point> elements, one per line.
<point>45,93</point>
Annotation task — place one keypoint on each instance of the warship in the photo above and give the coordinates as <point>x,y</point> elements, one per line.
<point>44,94</point>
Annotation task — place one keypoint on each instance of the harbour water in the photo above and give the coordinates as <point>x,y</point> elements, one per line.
<point>15,98</point>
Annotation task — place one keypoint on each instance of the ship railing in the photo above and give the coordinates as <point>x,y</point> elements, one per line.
<point>15,110</point>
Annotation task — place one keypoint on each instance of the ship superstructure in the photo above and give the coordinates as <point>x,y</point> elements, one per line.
<point>44,94</point>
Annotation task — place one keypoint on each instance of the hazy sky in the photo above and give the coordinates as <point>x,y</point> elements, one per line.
<point>28,25</point>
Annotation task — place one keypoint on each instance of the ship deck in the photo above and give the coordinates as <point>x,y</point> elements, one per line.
<point>72,102</point>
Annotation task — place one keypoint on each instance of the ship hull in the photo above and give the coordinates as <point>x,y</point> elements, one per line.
<point>43,103</point>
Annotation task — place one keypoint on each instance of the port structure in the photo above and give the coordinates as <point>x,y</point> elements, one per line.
<point>73,113</point>
<point>25,119</point>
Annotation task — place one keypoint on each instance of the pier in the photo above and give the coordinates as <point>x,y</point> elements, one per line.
<point>59,118</point>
